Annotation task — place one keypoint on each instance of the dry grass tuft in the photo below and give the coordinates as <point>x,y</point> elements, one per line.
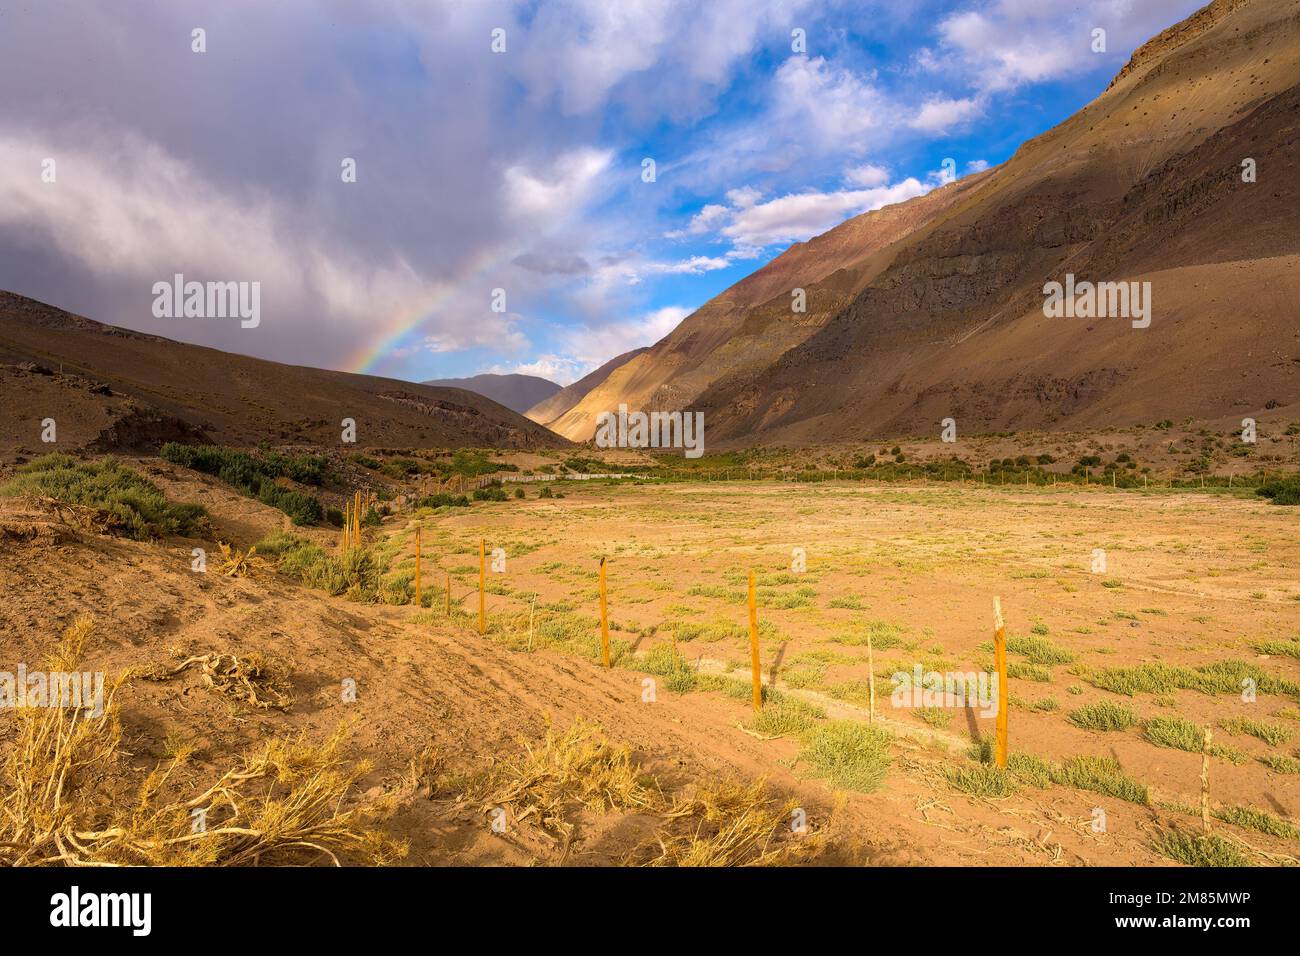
<point>68,800</point>
<point>733,824</point>
<point>235,563</point>
<point>728,824</point>
<point>575,769</point>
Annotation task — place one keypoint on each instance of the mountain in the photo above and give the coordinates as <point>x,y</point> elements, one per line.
<point>518,393</point>
<point>750,325</point>
<point>112,389</point>
<point>547,411</point>
<point>944,315</point>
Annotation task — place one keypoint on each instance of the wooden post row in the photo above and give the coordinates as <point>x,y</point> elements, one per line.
<point>753,647</point>
<point>1000,660</point>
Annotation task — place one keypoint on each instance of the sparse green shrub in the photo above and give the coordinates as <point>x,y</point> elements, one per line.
<point>1271,734</point>
<point>1199,849</point>
<point>1280,763</point>
<point>443,500</point>
<point>355,573</point>
<point>1103,715</point>
<point>1039,650</point>
<point>847,754</point>
<point>1029,769</point>
<point>1100,775</point>
<point>1285,648</point>
<point>981,780</point>
<point>1259,820</point>
<point>1281,491</point>
<point>1178,733</point>
<point>1157,677</point>
<point>134,505</point>
<point>256,476</point>
<point>786,715</point>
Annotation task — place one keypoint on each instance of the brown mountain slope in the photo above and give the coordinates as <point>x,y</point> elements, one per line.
<point>1145,183</point>
<point>549,409</point>
<point>751,324</point>
<point>114,389</point>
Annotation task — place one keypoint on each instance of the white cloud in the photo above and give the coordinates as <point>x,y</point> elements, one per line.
<point>592,347</point>
<point>554,368</point>
<point>694,266</point>
<point>751,224</point>
<point>940,114</point>
<point>705,221</point>
<point>1006,44</point>
<point>834,108</point>
<point>560,190</point>
<point>127,211</point>
<point>867,175</point>
<point>490,330</point>
<point>663,58</point>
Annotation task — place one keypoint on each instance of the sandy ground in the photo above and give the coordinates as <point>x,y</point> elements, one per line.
<point>1191,579</point>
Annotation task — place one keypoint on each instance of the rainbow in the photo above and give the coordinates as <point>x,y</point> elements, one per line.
<point>393,332</point>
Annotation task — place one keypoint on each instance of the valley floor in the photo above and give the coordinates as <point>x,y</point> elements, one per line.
<point>1190,580</point>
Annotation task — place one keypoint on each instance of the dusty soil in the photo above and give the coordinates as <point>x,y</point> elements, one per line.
<point>1191,579</point>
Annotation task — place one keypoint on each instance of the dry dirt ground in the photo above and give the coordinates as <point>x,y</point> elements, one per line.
<point>1191,579</point>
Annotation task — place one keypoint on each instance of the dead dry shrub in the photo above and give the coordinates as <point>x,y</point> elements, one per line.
<point>727,824</point>
<point>235,563</point>
<point>567,771</point>
<point>257,680</point>
<point>66,797</point>
<point>733,824</point>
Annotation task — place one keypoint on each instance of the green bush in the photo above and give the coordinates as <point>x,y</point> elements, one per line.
<point>353,573</point>
<point>1103,715</point>
<point>1281,491</point>
<point>443,500</point>
<point>489,494</point>
<point>256,476</point>
<point>136,505</point>
<point>847,754</point>
<point>402,467</point>
<point>301,508</point>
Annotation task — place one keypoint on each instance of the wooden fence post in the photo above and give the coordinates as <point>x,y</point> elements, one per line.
<point>532,608</point>
<point>482,585</point>
<point>753,646</point>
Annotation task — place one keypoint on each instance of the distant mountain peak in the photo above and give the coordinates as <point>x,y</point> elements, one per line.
<point>515,391</point>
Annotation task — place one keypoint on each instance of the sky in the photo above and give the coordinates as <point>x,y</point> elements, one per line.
<point>539,186</point>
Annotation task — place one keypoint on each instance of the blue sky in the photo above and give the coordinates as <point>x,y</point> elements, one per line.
<point>479,170</point>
